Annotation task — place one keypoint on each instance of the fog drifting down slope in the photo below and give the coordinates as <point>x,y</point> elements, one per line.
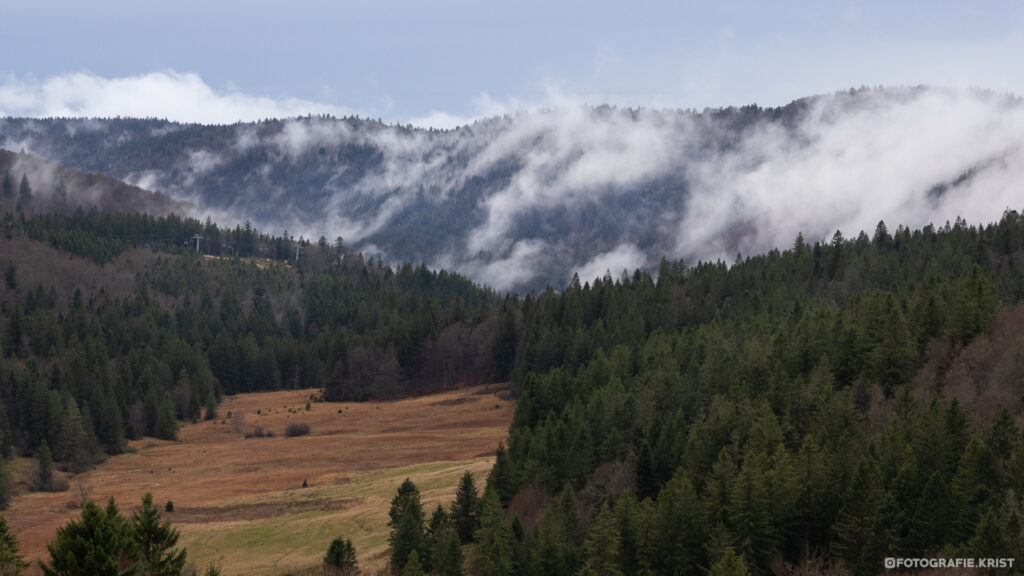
<point>524,200</point>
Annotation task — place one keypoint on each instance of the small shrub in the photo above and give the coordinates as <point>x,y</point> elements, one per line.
<point>304,483</point>
<point>60,484</point>
<point>169,507</point>
<point>307,407</point>
<point>295,429</point>
<point>259,432</point>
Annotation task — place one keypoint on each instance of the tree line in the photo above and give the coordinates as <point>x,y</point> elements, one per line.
<point>88,364</point>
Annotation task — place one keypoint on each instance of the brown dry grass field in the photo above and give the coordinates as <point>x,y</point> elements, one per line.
<point>239,501</point>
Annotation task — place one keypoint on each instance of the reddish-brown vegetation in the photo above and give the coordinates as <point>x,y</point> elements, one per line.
<point>224,486</point>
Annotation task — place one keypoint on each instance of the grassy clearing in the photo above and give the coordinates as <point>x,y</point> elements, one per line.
<point>292,542</point>
<point>239,502</point>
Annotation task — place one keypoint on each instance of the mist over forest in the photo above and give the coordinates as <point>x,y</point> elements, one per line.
<point>522,201</point>
<point>742,341</point>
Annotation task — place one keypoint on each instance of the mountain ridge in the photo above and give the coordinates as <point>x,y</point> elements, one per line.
<point>524,200</point>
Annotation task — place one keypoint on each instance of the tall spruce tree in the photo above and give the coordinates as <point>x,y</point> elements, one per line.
<point>446,556</point>
<point>156,541</point>
<point>406,522</point>
<point>24,193</point>
<point>465,509</point>
<point>496,546</point>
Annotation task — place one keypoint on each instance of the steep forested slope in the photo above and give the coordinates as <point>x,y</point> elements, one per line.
<point>831,404</point>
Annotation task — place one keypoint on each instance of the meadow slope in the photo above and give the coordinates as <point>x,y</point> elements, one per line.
<point>240,502</point>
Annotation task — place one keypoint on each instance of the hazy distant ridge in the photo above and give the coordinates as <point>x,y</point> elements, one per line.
<point>520,201</point>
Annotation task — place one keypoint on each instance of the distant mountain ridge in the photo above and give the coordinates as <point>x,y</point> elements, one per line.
<point>524,200</point>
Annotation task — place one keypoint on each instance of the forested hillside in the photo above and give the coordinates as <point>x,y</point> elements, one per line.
<point>816,408</point>
<point>824,406</point>
<point>520,201</point>
<point>112,326</point>
<point>33,185</point>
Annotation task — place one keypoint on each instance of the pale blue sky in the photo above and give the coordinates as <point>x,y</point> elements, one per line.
<point>445,61</point>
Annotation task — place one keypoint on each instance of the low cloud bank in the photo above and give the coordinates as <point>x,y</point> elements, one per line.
<point>524,199</point>
<point>182,97</point>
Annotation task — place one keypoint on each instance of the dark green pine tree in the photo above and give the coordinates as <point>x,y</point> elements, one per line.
<point>11,563</point>
<point>930,524</point>
<point>603,545</point>
<point>12,345</point>
<point>466,508</point>
<point>446,556</point>
<point>438,522</point>
<point>731,564</point>
<point>413,567</point>
<point>975,304</point>
<point>406,523</point>
<point>156,541</point>
<point>341,555</point>
<point>1003,435</point>
<point>646,477</point>
<point>857,518</point>
<point>554,550</point>
<point>502,476</point>
<point>44,470</point>
<point>97,544</point>
<point>496,545</point>
<point>8,185</point>
<point>990,538</point>
<point>749,514</point>
<point>503,352</point>
<point>437,528</point>
<point>73,444</point>
<point>677,536</point>
<point>24,193</point>
<point>11,276</point>
<point>211,406</point>
<point>974,486</point>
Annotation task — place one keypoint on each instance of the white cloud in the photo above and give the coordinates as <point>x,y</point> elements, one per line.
<point>624,257</point>
<point>855,160</point>
<point>483,106</point>
<point>572,155</point>
<point>511,272</point>
<point>182,97</point>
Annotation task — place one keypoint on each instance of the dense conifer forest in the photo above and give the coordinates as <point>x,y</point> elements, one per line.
<point>807,410</point>
<point>129,348</point>
<point>817,408</point>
